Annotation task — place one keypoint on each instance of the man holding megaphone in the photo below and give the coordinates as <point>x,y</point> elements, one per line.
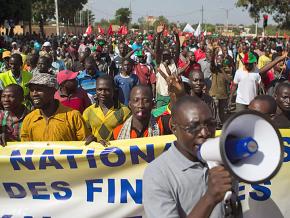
<point>178,184</point>
<point>194,177</point>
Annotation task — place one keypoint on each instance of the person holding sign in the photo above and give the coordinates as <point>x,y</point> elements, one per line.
<point>177,183</point>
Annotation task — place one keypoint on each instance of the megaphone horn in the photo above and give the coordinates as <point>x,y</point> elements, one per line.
<point>250,148</point>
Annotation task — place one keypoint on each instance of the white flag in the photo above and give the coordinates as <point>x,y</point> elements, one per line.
<point>188,29</point>
<point>198,30</point>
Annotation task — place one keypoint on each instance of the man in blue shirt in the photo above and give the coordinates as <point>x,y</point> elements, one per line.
<point>125,81</point>
<point>87,78</point>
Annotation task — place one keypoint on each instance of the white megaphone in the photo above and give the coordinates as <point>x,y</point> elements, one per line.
<point>250,148</point>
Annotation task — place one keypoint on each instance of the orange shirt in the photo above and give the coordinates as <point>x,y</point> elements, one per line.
<point>134,133</point>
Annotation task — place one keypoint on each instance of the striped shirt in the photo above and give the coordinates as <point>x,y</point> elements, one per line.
<point>88,82</point>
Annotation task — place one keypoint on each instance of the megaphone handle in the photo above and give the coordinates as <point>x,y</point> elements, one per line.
<point>212,164</point>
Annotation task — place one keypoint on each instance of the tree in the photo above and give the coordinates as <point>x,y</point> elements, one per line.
<point>123,16</point>
<point>280,9</point>
<point>161,20</point>
<point>15,10</point>
<point>68,8</point>
<point>43,10</point>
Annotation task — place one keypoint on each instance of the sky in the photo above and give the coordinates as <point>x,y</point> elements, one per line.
<point>175,10</point>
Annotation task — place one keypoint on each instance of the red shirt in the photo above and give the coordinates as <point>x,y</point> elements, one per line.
<point>199,54</point>
<point>145,74</point>
<point>190,67</point>
<point>268,78</point>
<point>78,100</point>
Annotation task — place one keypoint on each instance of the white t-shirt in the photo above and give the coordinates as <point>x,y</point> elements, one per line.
<point>247,86</point>
<point>161,84</point>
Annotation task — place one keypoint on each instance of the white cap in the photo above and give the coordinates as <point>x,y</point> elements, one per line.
<point>46,44</point>
<point>13,43</point>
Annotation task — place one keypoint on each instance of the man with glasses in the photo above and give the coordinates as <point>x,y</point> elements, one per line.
<point>177,183</point>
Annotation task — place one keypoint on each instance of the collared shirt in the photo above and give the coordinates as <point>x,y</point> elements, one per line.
<point>102,125</point>
<point>78,100</point>
<point>65,125</point>
<point>88,82</point>
<point>12,124</point>
<point>173,185</point>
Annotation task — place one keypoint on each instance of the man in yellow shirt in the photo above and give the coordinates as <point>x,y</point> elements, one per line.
<point>51,121</point>
<point>15,75</point>
<point>264,59</point>
<point>107,113</point>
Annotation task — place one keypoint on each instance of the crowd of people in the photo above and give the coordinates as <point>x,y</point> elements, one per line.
<point>110,87</point>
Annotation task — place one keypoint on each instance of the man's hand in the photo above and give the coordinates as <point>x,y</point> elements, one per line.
<point>3,136</point>
<point>219,182</point>
<point>175,85</point>
<point>92,138</point>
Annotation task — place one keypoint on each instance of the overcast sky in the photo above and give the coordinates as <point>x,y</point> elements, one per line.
<point>175,10</point>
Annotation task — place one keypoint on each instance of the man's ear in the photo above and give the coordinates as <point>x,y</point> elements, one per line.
<point>129,105</point>
<point>172,125</point>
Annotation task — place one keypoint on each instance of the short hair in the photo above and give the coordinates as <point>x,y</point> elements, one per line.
<point>141,86</point>
<point>182,101</point>
<point>284,84</point>
<point>106,78</point>
<point>17,57</point>
<point>48,59</point>
<point>17,88</point>
<point>195,71</point>
<point>129,60</point>
<point>270,100</point>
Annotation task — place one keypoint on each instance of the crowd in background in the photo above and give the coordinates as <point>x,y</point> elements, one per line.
<point>109,87</point>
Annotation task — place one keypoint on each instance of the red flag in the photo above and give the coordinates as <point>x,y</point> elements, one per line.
<point>285,35</point>
<point>110,31</point>
<point>277,34</point>
<point>89,30</point>
<point>101,30</point>
<point>123,30</point>
<point>120,30</point>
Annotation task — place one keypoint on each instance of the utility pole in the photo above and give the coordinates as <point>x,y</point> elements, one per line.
<point>202,16</point>
<point>227,10</point>
<point>56,15</point>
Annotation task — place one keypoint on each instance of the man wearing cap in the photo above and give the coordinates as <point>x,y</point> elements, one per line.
<point>46,49</point>
<point>246,81</point>
<point>4,64</point>
<point>69,94</point>
<point>51,121</point>
<point>15,49</point>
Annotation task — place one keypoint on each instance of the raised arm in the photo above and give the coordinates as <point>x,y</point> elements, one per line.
<point>160,30</point>
<point>177,45</point>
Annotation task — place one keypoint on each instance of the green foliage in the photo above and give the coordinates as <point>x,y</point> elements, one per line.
<point>123,16</point>
<point>280,9</point>
<point>160,20</point>
<point>15,9</point>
